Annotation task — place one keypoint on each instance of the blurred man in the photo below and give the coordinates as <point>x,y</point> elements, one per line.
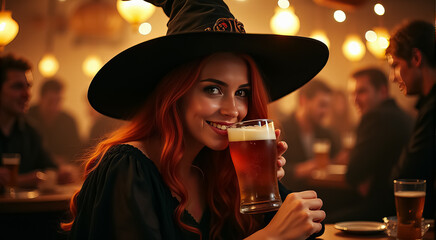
<point>411,55</point>
<point>16,135</point>
<point>58,128</point>
<point>382,132</point>
<point>301,131</point>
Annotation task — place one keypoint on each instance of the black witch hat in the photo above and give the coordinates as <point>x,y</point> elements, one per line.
<point>198,28</point>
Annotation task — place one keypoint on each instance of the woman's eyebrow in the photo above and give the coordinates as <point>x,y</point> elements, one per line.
<point>214,81</point>
<point>219,82</point>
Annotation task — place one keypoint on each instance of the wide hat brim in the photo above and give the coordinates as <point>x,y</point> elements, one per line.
<point>123,84</point>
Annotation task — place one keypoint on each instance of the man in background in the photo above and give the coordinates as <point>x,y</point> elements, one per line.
<point>16,135</point>
<point>58,128</point>
<point>412,57</point>
<point>301,131</point>
<point>383,131</point>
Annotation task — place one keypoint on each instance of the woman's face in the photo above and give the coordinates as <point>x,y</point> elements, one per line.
<point>218,99</point>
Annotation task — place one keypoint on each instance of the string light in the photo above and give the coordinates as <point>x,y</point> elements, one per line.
<point>135,11</point>
<point>283,4</point>
<point>321,36</point>
<point>353,48</point>
<point>48,66</point>
<point>370,36</point>
<point>91,65</point>
<point>379,9</point>
<point>285,22</point>
<point>340,16</point>
<point>378,46</point>
<point>144,28</point>
<point>8,28</point>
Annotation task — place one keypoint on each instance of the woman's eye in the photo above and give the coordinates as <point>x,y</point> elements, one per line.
<point>212,90</point>
<point>242,93</point>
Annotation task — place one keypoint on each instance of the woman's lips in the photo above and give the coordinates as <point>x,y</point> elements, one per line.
<point>220,128</point>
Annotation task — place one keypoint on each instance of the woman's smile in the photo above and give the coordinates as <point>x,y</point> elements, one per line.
<point>218,99</point>
<point>219,127</point>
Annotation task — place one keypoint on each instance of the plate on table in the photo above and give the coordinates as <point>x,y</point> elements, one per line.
<point>361,227</point>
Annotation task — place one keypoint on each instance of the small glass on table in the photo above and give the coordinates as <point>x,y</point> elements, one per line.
<point>409,203</point>
<point>11,161</point>
<point>321,151</point>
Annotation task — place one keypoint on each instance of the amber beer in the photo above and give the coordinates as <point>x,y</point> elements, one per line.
<point>253,149</point>
<point>321,150</point>
<point>409,202</point>
<point>11,161</point>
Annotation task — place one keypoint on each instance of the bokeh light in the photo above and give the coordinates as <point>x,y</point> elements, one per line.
<point>285,22</point>
<point>283,4</point>
<point>340,16</point>
<point>144,28</point>
<point>379,9</point>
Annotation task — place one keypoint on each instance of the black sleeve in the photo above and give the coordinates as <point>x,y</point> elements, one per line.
<point>118,201</point>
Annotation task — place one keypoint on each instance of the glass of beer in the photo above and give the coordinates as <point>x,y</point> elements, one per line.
<point>321,151</point>
<point>11,161</point>
<point>409,202</point>
<point>253,149</point>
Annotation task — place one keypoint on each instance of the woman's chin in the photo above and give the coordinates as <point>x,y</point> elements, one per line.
<point>218,147</point>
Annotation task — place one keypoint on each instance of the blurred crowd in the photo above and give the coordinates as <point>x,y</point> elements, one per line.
<point>45,135</point>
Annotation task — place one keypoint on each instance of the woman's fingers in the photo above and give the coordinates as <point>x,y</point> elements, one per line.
<point>318,216</point>
<point>282,146</point>
<point>307,194</point>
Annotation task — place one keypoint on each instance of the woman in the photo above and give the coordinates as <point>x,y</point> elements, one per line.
<point>168,174</point>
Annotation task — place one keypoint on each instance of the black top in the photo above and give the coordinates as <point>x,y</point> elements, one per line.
<point>24,140</point>
<point>418,160</point>
<point>381,135</point>
<point>126,198</point>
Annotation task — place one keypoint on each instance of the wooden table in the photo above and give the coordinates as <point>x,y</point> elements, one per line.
<point>333,176</point>
<point>331,233</point>
<point>36,215</point>
<point>35,201</point>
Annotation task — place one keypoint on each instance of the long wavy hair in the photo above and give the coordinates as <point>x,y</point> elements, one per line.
<point>161,116</point>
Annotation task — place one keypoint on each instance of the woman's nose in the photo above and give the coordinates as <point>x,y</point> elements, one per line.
<point>228,107</point>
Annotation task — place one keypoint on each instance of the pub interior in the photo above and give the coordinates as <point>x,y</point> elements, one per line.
<point>82,35</point>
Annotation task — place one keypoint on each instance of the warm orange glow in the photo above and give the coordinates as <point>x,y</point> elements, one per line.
<point>8,28</point>
<point>48,66</point>
<point>91,65</point>
<point>379,45</point>
<point>285,22</point>
<point>321,36</point>
<point>135,11</point>
<point>353,48</point>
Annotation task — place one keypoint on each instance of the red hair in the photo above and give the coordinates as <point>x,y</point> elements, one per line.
<point>161,116</point>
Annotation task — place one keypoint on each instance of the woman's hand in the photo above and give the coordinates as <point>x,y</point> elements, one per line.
<point>299,217</point>
<point>281,161</point>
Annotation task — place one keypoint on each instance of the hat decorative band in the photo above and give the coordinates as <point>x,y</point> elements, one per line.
<point>227,25</point>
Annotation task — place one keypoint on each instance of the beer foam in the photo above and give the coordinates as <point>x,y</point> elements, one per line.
<point>410,194</point>
<point>251,133</point>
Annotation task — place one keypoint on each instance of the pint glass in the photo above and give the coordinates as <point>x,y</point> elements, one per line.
<point>11,161</point>
<point>253,149</point>
<point>409,202</point>
<point>321,151</point>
